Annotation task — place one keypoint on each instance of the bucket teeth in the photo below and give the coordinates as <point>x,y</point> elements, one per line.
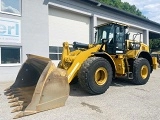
<point>19,103</point>
<point>39,91</point>
<point>9,94</point>
<point>14,100</point>
<point>8,91</point>
<point>15,95</point>
<point>11,97</point>
<point>17,109</point>
<point>20,114</point>
<point>13,90</point>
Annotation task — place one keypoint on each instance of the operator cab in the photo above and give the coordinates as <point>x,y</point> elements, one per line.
<point>113,36</point>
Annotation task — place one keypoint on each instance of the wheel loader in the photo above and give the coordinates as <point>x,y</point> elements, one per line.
<point>40,85</point>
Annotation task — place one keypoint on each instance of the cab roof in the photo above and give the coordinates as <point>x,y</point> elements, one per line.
<point>112,22</point>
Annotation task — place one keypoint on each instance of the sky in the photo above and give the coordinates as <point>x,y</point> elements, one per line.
<point>11,6</point>
<point>149,8</point>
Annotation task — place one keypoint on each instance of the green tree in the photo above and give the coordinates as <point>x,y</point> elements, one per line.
<point>123,6</point>
<point>154,44</point>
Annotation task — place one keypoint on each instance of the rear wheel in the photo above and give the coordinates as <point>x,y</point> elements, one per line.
<point>141,71</point>
<point>95,75</point>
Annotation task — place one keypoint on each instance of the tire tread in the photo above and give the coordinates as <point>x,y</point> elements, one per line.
<point>82,77</point>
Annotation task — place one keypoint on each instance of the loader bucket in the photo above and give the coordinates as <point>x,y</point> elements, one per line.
<point>39,86</point>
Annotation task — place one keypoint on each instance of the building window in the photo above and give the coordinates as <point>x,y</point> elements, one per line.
<point>55,52</point>
<point>11,6</point>
<point>10,55</point>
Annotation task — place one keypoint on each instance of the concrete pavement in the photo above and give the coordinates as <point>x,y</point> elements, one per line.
<point>122,101</point>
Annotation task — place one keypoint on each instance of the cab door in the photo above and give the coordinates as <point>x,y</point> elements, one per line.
<point>116,44</point>
<point>119,39</point>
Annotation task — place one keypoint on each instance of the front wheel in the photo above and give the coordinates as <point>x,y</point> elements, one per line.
<point>95,75</point>
<point>141,71</point>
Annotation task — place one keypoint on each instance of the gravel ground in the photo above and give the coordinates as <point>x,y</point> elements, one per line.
<point>122,101</point>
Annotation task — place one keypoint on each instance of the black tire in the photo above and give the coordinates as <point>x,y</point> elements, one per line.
<point>86,75</point>
<point>74,81</point>
<point>140,75</point>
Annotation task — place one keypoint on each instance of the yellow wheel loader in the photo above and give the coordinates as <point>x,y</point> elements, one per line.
<point>41,86</point>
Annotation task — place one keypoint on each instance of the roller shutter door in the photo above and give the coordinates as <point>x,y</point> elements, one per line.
<point>133,32</point>
<point>66,26</point>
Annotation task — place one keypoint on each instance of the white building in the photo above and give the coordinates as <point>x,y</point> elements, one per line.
<point>40,26</point>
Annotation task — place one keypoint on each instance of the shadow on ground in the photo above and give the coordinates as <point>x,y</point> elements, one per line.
<point>120,82</point>
<point>76,90</point>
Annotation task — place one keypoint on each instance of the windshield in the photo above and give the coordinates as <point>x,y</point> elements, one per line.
<point>105,32</point>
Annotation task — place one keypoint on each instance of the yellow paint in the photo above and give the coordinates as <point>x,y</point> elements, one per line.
<point>70,59</point>
<point>134,53</point>
<point>155,63</point>
<point>119,62</point>
<point>144,71</point>
<point>101,76</point>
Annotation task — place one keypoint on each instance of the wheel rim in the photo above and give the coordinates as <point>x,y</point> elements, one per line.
<point>101,76</point>
<point>144,71</point>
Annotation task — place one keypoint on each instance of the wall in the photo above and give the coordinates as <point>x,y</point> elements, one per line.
<point>35,31</point>
<point>108,14</point>
<point>133,32</point>
<point>34,34</point>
